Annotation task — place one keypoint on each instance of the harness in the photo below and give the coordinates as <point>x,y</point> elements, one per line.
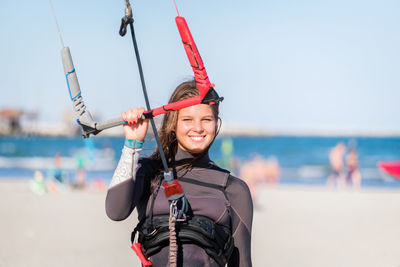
<point>154,231</point>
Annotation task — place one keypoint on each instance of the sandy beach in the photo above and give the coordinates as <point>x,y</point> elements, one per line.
<point>293,226</point>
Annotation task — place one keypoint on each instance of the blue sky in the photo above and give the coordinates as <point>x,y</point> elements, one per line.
<point>281,65</point>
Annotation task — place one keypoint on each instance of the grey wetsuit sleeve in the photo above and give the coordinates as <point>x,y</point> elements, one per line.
<point>126,168</point>
<point>124,192</point>
<point>239,196</point>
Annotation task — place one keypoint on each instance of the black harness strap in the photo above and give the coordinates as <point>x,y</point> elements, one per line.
<point>215,239</point>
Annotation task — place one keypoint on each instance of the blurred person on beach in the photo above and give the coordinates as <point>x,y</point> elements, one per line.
<point>57,176</point>
<point>353,177</point>
<point>83,158</point>
<point>57,172</point>
<point>273,170</point>
<point>257,170</point>
<point>214,195</point>
<point>337,177</point>
<point>80,172</point>
<point>228,160</point>
<point>38,184</point>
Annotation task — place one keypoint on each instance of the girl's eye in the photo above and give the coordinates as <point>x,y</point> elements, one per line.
<point>186,119</point>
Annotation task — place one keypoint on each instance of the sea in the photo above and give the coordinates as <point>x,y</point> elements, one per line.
<point>302,160</point>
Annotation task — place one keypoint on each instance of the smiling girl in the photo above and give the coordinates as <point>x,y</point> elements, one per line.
<point>220,204</point>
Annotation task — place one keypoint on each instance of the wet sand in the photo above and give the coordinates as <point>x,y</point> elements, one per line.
<point>293,226</point>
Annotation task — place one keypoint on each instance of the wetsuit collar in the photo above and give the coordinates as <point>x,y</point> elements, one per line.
<point>184,156</point>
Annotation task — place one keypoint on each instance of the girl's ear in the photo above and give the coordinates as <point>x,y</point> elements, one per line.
<point>218,126</point>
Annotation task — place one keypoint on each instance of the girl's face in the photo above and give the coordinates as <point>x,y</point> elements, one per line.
<point>195,129</point>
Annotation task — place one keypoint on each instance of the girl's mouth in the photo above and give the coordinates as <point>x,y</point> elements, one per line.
<point>197,138</point>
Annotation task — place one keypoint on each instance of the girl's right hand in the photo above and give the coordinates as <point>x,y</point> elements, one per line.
<point>136,128</point>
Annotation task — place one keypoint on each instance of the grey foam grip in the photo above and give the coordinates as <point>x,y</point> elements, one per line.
<point>70,73</point>
<point>110,123</point>
<point>74,89</point>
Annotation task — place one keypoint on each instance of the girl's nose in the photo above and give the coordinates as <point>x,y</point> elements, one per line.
<point>198,127</point>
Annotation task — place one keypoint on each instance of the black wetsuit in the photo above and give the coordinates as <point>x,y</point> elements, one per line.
<point>232,206</point>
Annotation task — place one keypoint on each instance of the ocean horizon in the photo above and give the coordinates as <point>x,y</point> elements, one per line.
<point>302,159</point>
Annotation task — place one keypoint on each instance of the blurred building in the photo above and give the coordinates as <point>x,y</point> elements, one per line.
<point>10,120</point>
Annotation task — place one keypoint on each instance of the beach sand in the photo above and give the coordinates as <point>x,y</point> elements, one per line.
<point>293,226</point>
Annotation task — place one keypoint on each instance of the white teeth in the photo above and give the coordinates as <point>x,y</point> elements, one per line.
<point>197,138</point>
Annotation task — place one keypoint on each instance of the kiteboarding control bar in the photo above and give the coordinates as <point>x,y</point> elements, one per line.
<point>83,116</point>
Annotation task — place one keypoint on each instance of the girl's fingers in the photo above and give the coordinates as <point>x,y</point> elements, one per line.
<point>132,116</point>
<point>140,113</point>
<point>125,117</point>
